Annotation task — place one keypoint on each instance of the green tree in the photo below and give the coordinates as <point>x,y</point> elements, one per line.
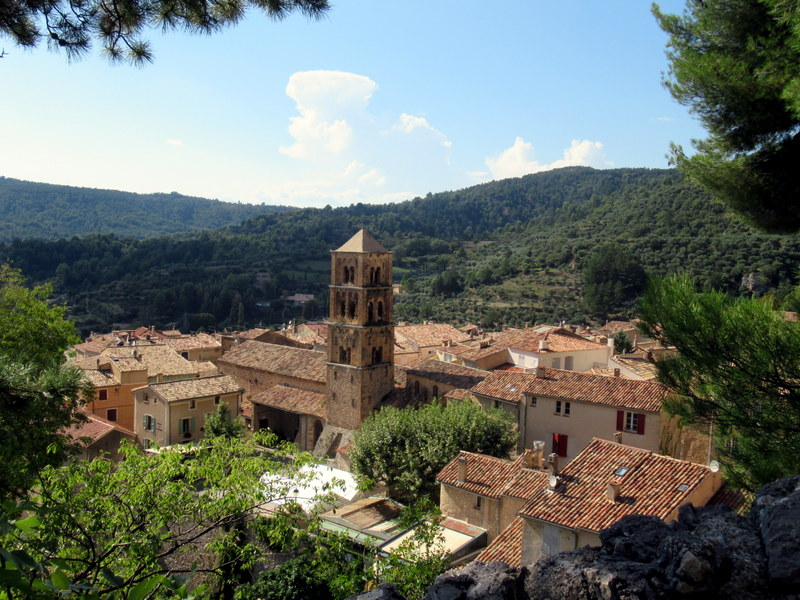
<point>622,345</point>
<point>734,63</point>
<point>613,278</point>
<point>114,529</point>
<point>72,25</point>
<point>221,423</point>
<point>406,448</point>
<point>39,396</point>
<point>736,371</point>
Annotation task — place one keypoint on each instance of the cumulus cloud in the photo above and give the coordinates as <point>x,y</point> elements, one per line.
<point>519,159</point>
<point>324,100</point>
<point>410,124</point>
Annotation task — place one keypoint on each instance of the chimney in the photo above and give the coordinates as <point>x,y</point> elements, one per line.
<point>552,463</point>
<point>612,490</point>
<point>538,454</point>
<point>527,324</point>
<point>98,364</point>
<point>540,372</point>
<point>618,437</point>
<point>543,345</point>
<point>610,343</point>
<point>462,468</point>
<point>616,372</point>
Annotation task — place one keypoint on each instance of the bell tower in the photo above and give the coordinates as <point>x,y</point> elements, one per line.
<point>360,330</point>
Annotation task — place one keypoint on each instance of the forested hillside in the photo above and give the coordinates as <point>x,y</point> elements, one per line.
<point>572,244</point>
<point>42,211</point>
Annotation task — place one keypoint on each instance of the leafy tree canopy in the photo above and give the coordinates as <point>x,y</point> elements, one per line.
<point>72,25</point>
<point>121,530</point>
<point>613,278</point>
<point>39,396</point>
<point>406,448</point>
<point>736,371</point>
<point>734,63</point>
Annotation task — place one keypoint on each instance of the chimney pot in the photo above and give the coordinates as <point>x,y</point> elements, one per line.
<point>612,490</point>
<point>616,372</point>
<point>552,463</point>
<point>618,437</point>
<point>543,345</point>
<point>540,372</point>
<point>538,454</point>
<point>462,468</point>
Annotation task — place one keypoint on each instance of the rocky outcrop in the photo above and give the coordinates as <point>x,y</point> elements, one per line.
<point>708,553</point>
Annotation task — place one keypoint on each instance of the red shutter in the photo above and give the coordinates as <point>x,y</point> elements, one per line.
<point>620,420</point>
<point>640,428</point>
<point>562,445</point>
<point>555,444</point>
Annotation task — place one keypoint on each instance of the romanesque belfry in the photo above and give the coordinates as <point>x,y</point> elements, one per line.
<point>360,330</point>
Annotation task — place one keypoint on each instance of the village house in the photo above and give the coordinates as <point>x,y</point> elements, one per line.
<point>525,349</point>
<point>413,342</point>
<point>566,409</point>
<point>429,378</point>
<point>313,334</point>
<point>199,347</point>
<point>486,491</point>
<point>98,437</point>
<point>175,412</point>
<point>118,370</point>
<point>604,483</point>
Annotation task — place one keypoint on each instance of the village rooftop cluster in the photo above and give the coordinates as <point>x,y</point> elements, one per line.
<point>594,443</point>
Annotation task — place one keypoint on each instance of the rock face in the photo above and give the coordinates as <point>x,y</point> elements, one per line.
<point>709,553</point>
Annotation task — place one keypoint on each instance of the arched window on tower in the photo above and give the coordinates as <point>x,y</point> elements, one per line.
<point>347,356</point>
<point>379,355</point>
<point>374,359</point>
<point>346,275</point>
<point>342,307</point>
<point>370,312</point>
<point>343,356</point>
<point>371,275</point>
<point>377,275</point>
<point>380,311</point>
<point>351,309</point>
<point>352,274</point>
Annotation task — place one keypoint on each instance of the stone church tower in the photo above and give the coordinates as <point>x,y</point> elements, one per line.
<point>360,331</point>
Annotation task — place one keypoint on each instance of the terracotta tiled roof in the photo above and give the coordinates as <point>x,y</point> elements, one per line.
<point>639,365</point>
<point>200,387</point>
<point>251,333</point>
<point>125,364</point>
<point>311,333</point>
<point>490,476</point>
<point>525,483</point>
<point>99,379</point>
<point>95,428</point>
<point>583,387</point>
<point>739,501</point>
<point>427,336</point>
<point>558,340</point>
<point>506,547</point>
<point>283,360</point>
<point>456,394</point>
<point>654,485</point>
<point>157,359</point>
<point>191,342</point>
<point>96,344</point>
<point>294,400</point>
<point>447,373</point>
<point>486,475</point>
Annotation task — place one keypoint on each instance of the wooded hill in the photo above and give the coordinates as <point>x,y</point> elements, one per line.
<point>504,252</point>
<point>42,211</point>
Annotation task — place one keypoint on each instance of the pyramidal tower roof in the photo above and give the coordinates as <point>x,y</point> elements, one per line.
<point>361,242</point>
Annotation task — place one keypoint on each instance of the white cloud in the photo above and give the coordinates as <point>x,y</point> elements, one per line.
<point>518,160</point>
<point>173,142</point>
<point>410,123</point>
<point>324,100</point>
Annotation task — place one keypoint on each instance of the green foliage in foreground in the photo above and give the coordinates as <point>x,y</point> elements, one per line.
<point>406,448</point>
<point>39,396</point>
<point>105,529</point>
<point>737,368</point>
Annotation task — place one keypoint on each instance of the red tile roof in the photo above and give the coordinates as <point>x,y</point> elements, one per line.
<point>493,477</point>
<point>506,547</point>
<point>95,428</point>
<point>654,485</point>
<point>527,340</point>
<point>199,387</point>
<point>283,360</point>
<point>302,402</point>
<point>448,373</point>
<point>619,392</point>
<point>427,336</point>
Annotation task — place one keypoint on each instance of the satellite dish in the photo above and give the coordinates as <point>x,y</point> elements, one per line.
<point>714,466</point>
<point>553,481</point>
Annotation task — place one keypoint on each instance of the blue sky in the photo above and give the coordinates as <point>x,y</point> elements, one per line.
<point>379,101</point>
